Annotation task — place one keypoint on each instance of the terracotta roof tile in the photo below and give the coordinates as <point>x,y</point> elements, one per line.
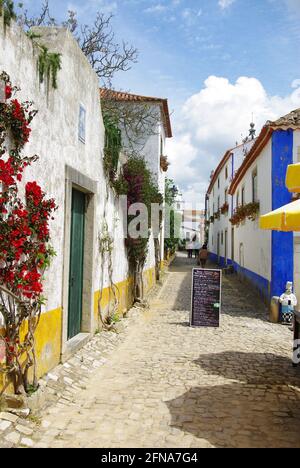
<point>289,121</point>
<point>129,97</point>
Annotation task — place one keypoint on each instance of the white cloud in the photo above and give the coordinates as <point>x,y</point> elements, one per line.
<point>225,3</point>
<point>158,8</point>
<point>213,120</point>
<point>296,83</point>
<point>104,6</point>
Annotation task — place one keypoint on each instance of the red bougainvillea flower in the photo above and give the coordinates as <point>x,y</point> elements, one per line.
<point>8,91</point>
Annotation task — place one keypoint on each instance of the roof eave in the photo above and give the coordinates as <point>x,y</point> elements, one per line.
<point>255,151</point>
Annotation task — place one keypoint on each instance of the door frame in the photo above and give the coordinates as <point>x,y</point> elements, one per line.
<point>78,305</point>
<point>76,180</point>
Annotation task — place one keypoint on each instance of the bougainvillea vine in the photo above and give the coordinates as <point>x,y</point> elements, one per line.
<point>25,252</point>
<point>136,183</point>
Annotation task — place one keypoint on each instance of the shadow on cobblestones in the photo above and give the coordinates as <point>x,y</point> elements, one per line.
<point>258,368</point>
<point>236,415</point>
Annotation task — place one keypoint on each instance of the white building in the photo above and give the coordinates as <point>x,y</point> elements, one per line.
<point>68,135</point>
<point>193,225</point>
<point>152,146</point>
<point>264,258</point>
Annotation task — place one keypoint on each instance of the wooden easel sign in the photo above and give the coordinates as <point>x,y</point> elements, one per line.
<point>206,298</point>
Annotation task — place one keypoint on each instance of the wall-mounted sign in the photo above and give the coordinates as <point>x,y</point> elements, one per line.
<point>206,298</point>
<point>82,123</point>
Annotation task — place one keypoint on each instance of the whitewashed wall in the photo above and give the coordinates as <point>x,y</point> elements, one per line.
<point>55,139</point>
<point>234,162</point>
<point>150,149</point>
<point>257,245</point>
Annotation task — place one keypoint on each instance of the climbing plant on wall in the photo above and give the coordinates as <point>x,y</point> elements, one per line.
<point>49,63</point>
<point>136,183</point>
<point>25,252</point>
<point>112,148</point>
<point>7,11</point>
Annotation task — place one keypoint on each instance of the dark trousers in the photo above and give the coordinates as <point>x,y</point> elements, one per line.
<point>190,253</point>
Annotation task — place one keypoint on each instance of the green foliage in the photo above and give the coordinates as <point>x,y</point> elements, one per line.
<point>7,10</point>
<point>112,148</point>
<point>49,64</point>
<point>171,193</point>
<point>171,243</point>
<point>136,183</point>
<point>243,212</point>
<point>32,35</point>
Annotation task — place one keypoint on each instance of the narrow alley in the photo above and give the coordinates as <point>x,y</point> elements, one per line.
<point>169,385</point>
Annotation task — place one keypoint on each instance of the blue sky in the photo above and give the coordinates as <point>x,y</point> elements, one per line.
<point>184,43</point>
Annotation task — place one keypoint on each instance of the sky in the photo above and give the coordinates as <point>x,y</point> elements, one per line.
<point>217,61</point>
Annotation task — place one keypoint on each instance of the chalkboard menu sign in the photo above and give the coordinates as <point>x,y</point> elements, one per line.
<point>206,298</point>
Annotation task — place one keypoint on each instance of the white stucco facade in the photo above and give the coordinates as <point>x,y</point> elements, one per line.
<point>67,163</point>
<point>252,251</point>
<point>220,230</point>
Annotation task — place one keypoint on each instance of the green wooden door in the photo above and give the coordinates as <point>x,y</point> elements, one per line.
<point>76,263</point>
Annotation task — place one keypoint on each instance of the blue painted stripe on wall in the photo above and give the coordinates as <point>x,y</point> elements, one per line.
<point>259,282</point>
<point>220,261</point>
<point>282,242</point>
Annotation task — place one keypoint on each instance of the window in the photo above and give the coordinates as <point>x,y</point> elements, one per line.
<point>82,123</point>
<point>226,195</point>
<point>218,182</point>
<point>222,238</point>
<point>237,199</point>
<point>254,186</point>
<point>226,173</point>
<point>218,203</point>
<point>243,196</point>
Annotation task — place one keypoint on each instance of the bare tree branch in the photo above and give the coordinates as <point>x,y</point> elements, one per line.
<point>97,41</point>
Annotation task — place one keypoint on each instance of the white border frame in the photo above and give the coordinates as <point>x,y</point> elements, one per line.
<point>221,279</point>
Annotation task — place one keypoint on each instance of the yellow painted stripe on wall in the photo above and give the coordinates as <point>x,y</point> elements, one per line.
<point>48,342</point>
<point>49,332</point>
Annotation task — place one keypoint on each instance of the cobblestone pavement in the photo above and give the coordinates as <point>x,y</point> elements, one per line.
<point>169,385</point>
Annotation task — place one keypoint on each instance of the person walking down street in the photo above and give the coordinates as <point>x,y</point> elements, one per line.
<point>203,256</point>
<point>189,248</point>
<point>197,247</point>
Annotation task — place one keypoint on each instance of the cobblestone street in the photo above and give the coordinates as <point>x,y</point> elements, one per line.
<point>169,385</point>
